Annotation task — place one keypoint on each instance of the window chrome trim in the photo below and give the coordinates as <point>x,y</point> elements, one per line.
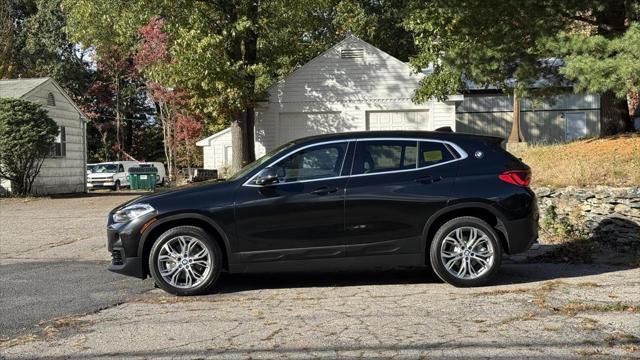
<point>463,155</point>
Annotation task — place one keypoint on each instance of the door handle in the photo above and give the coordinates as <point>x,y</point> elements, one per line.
<point>324,190</point>
<point>428,179</point>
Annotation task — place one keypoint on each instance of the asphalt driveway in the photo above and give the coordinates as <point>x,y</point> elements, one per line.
<point>59,302</point>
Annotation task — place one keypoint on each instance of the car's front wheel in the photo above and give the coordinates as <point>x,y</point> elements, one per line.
<point>466,252</point>
<point>185,260</point>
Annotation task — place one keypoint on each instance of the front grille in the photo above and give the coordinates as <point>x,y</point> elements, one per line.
<point>116,257</point>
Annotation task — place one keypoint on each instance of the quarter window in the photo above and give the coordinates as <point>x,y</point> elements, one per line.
<point>317,162</point>
<point>432,153</point>
<point>384,155</point>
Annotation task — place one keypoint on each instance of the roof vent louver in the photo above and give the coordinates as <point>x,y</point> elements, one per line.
<point>352,53</point>
<point>51,100</point>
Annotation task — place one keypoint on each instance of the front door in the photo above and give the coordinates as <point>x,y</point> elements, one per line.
<point>395,186</point>
<point>299,217</point>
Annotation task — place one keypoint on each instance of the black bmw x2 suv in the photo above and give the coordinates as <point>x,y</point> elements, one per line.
<point>455,202</point>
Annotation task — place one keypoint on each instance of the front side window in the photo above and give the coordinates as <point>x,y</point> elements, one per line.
<point>384,155</point>
<point>121,168</point>
<point>318,162</point>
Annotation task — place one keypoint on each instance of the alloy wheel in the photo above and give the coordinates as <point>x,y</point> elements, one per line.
<point>184,262</point>
<point>467,253</point>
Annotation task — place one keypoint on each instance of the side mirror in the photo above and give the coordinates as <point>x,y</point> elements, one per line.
<point>267,176</point>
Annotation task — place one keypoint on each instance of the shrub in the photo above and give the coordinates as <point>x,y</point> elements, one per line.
<point>27,134</point>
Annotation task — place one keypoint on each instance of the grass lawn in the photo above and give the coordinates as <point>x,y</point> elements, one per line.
<point>613,161</point>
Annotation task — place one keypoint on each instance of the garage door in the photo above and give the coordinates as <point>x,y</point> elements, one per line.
<point>297,125</point>
<point>398,120</point>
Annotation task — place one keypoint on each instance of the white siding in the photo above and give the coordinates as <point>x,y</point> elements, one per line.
<point>214,150</point>
<point>65,174</point>
<point>293,126</point>
<point>329,77</point>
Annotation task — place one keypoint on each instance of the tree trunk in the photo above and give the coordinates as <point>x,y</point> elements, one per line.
<point>250,154</point>
<point>516,131</point>
<point>614,115</point>
<point>238,141</point>
<point>244,49</point>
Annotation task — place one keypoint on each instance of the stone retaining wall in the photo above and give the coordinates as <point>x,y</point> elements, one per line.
<point>608,215</point>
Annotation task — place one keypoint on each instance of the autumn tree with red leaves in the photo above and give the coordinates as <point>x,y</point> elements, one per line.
<point>180,128</point>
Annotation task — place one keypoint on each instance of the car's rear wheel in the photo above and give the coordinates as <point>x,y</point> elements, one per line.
<point>185,260</point>
<point>466,252</point>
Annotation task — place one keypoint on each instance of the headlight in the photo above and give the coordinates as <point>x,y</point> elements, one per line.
<point>131,212</point>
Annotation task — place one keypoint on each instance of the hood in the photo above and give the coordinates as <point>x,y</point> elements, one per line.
<point>100,175</point>
<point>194,190</point>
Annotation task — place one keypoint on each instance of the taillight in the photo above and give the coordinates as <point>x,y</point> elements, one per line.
<point>516,177</point>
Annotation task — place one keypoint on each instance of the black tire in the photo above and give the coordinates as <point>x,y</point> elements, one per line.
<point>437,263</point>
<point>116,187</point>
<point>207,240</point>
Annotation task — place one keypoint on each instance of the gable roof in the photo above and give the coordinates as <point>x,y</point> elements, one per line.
<point>365,73</point>
<point>206,141</point>
<point>17,88</point>
<point>20,88</point>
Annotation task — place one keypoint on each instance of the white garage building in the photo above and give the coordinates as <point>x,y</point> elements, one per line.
<point>353,86</point>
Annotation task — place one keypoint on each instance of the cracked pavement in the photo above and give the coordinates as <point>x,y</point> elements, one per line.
<point>539,310</point>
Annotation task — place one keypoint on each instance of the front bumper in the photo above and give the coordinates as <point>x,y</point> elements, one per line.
<point>130,266</point>
<point>123,243</point>
<point>100,184</point>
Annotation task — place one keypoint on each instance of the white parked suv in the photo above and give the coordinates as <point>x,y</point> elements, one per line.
<point>113,175</point>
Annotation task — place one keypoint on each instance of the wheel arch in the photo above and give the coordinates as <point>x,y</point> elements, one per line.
<point>186,219</point>
<point>475,209</point>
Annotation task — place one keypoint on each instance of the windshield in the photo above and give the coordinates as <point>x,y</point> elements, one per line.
<point>105,168</point>
<point>252,166</point>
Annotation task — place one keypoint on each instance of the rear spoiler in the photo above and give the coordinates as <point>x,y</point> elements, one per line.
<point>444,129</point>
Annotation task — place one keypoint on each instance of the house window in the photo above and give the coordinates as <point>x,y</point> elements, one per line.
<point>51,100</point>
<point>59,148</point>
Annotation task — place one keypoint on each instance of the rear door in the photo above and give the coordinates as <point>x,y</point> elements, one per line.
<point>395,186</point>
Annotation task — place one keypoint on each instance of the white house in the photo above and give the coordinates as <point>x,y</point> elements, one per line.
<point>217,150</point>
<point>64,171</point>
<point>353,86</point>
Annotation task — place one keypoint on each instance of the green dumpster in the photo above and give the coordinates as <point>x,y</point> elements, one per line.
<point>143,178</point>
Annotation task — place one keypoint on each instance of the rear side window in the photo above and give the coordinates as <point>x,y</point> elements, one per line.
<point>432,153</point>
<point>384,155</point>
